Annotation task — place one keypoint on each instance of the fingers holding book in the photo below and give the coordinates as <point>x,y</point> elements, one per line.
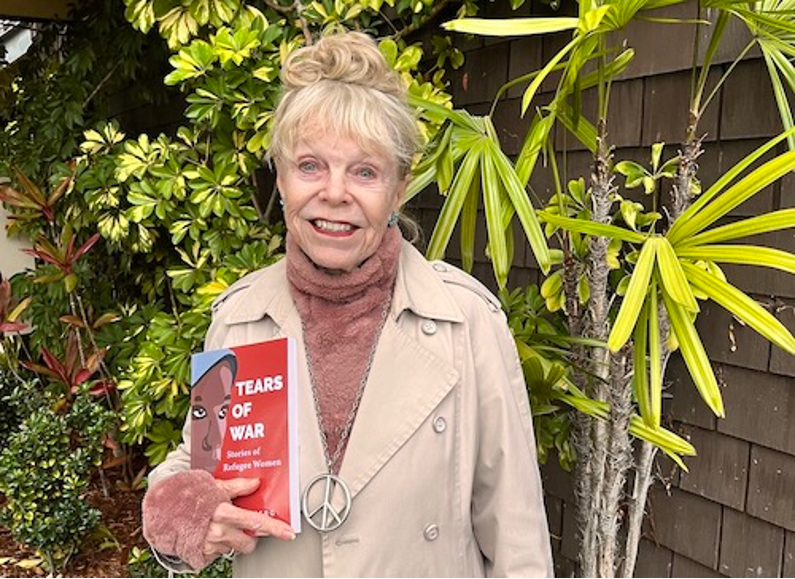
<point>259,524</point>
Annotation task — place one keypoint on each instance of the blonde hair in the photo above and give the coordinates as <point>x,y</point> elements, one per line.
<point>343,85</point>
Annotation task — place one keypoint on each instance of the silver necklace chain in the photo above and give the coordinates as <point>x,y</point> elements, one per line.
<point>331,459</point>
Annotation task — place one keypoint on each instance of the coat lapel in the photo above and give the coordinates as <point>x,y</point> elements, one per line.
<point>406,382</point>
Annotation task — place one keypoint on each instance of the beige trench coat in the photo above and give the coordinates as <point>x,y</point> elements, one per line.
<point>441,461</point>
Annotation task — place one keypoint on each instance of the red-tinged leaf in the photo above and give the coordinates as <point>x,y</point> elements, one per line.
<point>14,198</point>
<point>44,244</point>
<point>39,369</point>
<point>113,462</point>
<point>93,361</point>
<point>105,319</point>
<point>71,360</point>
<point>11,327</point>
<point>55,365</point>
<point>59,191</point>
<point>81,377</point>
<point>70,246</point>
<point>86,246</point>
<point>100,388</point>
<point>5,298</point>
<point>72,321</point>
<point>44,257</point>
<point>32,190</point>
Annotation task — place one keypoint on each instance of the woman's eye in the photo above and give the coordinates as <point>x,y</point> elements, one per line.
<point>198,412</point>
<point>223,411</point>
<point>366,173</point>
<point>307,166</point>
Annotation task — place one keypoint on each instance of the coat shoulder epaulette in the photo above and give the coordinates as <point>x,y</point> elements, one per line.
<point>454,276</point>
<point>240,285</point>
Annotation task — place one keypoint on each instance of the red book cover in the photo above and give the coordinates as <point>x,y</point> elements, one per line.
<point>244,422</point>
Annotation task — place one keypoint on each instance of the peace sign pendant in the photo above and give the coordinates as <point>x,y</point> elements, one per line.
<point>321,515</point>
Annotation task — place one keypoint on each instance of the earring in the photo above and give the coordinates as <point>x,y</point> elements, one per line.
<point>393,219</point>
<point>281,201</point>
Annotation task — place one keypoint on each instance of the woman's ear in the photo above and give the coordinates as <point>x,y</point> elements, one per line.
<point>277,169</point>
<point>400,193</point>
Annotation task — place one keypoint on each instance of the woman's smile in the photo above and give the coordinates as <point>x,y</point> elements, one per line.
<point>333,228</point>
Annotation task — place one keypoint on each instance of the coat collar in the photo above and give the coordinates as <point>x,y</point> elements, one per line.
<point>418,288</point>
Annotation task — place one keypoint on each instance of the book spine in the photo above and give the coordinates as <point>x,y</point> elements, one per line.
<point>292,410</point>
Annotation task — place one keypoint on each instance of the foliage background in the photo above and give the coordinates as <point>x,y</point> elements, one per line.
<point>156,205</point>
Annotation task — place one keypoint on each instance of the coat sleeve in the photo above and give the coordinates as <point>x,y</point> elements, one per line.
<point>508,513</point>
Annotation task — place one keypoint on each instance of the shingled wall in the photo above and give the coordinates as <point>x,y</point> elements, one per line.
<point>733,514</point>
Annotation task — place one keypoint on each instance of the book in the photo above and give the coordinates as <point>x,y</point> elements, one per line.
<point>244,422</point>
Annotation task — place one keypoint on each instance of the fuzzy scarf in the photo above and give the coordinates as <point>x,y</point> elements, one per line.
<point>341,315</point>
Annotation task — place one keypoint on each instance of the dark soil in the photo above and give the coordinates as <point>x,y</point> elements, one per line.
<point>102,555</point>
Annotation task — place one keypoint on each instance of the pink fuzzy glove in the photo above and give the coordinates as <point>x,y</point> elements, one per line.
<point>177,512</point>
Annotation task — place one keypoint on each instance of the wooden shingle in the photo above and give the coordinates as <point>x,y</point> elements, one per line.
<point>789,555</point>
<point>686,404</point>
<point>666,106</point>
<point>485,72</point>
<point>729,341</point>
<point>759,414</point>
<point>782,362</point>
<point>749,108</point>
<point>653,560</point>
<point>687,524</point>
<point>657,51</point>
<point>684,567</point>
<point>750,547</point>
<point>720,470</point>
<point>770,487</point>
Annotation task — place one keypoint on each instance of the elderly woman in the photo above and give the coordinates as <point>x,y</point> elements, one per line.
<point>413,409</point>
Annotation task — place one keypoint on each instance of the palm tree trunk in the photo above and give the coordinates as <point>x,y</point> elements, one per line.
<point>591,504</point>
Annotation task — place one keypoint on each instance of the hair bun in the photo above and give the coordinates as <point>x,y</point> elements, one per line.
<point>352,58</point>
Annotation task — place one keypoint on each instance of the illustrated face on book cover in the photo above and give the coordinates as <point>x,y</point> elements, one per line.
<point>210,396</point>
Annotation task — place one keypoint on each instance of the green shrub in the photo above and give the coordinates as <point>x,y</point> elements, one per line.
<point>45,469</point>
<point>19,398</point>
<point>547,354</point>
<point>9,417</point>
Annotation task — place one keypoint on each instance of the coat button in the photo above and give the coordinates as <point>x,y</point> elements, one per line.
<point>439,424</point>
<point>439,267</point>
<point>431,533</point>
<point>429,327</point>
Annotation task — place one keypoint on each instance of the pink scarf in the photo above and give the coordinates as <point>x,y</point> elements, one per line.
<point>342,316</point>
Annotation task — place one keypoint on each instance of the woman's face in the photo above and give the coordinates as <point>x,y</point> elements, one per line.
<point>338,199</point>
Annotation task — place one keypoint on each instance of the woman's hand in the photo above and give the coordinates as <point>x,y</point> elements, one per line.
<point>227,530</point>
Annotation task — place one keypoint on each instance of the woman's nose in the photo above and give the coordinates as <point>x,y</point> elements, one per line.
<point>335,190</point>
